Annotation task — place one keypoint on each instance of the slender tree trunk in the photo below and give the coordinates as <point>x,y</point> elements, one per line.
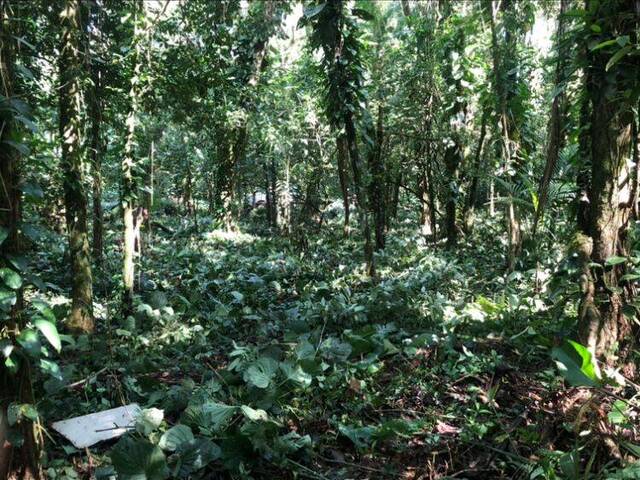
<point>342,154</point>
<point>376,186</point>
<point>361,193</point>
<point>505,87</point>
<point>602,321</point>
<point>555,140</point>
<point>96,146</point>
<point>97,150</point>
<point>468,214</point>
<point>130,178</point>
<point>426,226</point>
<point>583,180</point>
<point>81,314</point>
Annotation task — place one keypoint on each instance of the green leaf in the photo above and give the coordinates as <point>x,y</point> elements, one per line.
<point>28,339</point>
<point>149,420</point>
<point>194,455</point>
<point>10,278</point>
<point>32,190</point>
<point>4,233</point>
<point>8,299</point>
<point>576,364</point>
<point>210,416</point>
<point>49,331</point>
<point>296,374</point>
<point>313,11</point>
<point>136,459</point>
<point>176,436</point>
<point>618,56</point>
<point>611,261</point>
<point>618,414</point>
<point>254,415</point>
<point>52,368</point>
<point>261,372</point>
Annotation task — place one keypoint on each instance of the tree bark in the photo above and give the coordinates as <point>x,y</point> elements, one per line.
<point>70,64</point>
<point>130,178</point>
<point>376,185</point>
<point>555,140</point>
<point>360,191</point>
<point>468,213</point>
<point>602,323</point>
<point>342,157</point>
<point>15,461</point>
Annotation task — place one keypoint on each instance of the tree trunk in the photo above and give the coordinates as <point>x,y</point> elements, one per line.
<point>81,314</point>
<point>15,461</point>
<point>130,178</point>
<point>376,186</point>
<point>602,322</point>
<point>342,154</point>
<point>96,146</point>
<point>361,193</point>
<point>468,213</point>
<point>555,141</point>
<point>505,88</point>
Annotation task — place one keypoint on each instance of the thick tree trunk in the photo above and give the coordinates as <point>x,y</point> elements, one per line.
<point>21,461</point>
<point>81,314</point>
<point>602,321</point>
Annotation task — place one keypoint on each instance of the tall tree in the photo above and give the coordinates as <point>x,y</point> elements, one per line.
<point>456,113</point>
<point>130,163</point>
<point>96,142</point>
<point>613,87</point>
<point>506,31</point>
<point>556,135</point>
<point>335,31</point>
<point>71,72</point>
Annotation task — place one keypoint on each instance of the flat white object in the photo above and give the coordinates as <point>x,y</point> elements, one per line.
<point>96,427</point>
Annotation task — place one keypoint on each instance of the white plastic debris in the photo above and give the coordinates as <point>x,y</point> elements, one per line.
<point>96,427</point>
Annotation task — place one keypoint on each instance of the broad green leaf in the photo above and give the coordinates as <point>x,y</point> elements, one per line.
<point>313,11</point>
<point>253,414</point>
<point>210,416</point>
<point>195,455</point>
<point>52,368</point>
<point>10,278</point>
<point>576,364</point>
<point>296,374</point>
<point>618,413</point>
<point>28,339</point>
<point>176,436</point>
<point>611,261</point>
<point>49,331</point>
<point>32,190</point>
<point>138,459</point>
<point>4,233</point>
<point>618,56</point>
<point>261,372</point>
<point>8,299</point>
<point>149,420</point>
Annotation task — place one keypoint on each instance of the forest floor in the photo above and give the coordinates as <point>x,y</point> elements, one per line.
<point>294,364</point>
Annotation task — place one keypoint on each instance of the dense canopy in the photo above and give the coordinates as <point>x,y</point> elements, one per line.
<point>325,239</point>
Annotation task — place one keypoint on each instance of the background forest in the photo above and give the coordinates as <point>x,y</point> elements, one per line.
<point>338,239</point>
